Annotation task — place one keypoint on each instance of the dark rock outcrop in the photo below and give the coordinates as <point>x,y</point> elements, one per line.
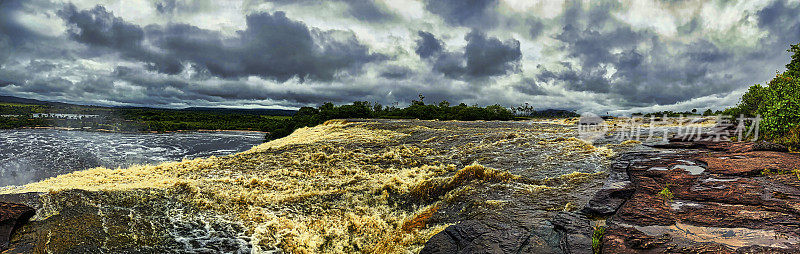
<point>12,216</point>
<point>576,230</point>
<point>567,232</point>
<point>615,191</point>
<point>475,236</point>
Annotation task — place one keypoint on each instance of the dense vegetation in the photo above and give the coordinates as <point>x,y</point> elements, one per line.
<point>16,115</point>
<point>19,122</point>
<point>308,116</point>
<point>778,103</point>
<point>171,120</point>
<point>669,113</point>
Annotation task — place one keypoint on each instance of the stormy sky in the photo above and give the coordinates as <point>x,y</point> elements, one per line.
<point>597,56</point>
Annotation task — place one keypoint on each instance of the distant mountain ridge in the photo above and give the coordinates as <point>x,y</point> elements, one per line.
<point>271,112</point>
<point>12,99</point>
<point>554,113</point>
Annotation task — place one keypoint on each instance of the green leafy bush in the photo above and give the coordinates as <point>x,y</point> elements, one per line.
<point>778,103</point>
<point>781,110</point>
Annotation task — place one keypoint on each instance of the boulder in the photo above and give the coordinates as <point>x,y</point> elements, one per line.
<point>475,236</point>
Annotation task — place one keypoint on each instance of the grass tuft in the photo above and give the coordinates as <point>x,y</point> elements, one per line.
<point>666,194</point>
<point>597,237</point>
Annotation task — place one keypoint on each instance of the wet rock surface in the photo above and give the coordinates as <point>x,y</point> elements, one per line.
<point>12,216</point>
<point>142,221</point>
<point>389,186</point>
<point>706,197</point>
<point>347,186</point>
<point>564,232</point>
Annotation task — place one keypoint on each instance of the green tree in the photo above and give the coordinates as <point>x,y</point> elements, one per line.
<point>793,68</point>
<point>781,110</point>
<point>778,103</point>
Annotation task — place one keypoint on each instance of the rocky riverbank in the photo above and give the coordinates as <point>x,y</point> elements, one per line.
<point>357,186</point>
<point>702,197</point>
<point>400,186</point>
<point>680,197</point>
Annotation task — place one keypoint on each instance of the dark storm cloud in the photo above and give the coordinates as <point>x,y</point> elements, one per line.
<point>592,47</point>
<point>396,72</point>
<point>166,6</point>
<point>51,87</point>
<point>41,66</point>
<point>611,60</point>
<point>776,14</point>
<point>490,56</point>
<point>363,10</point>
<point>11,31</point>
<point>162,90</point>
<point>530,87</point>
<point>703,51</point>
<point>535,27</point>
<point>427,45</point>
<point>98,27</point>
<point>592,80</point>
<point>19,43</point>
<point>590,50</point>
<point>782,20</point>
<point>450,64</point>
<point>17,39</point>
<point>483,56</point>
<point>272,46</point>
<point>5,49</point>
<point>144,88</point>
<point>367,11</point>
<point>469,13</point>
<point>691,26</point>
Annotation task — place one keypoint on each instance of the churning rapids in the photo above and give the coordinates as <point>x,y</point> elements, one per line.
<point>355,186</point>
<point>29,155</point>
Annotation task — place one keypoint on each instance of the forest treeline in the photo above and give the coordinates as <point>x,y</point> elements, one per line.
<point>309,116</point>
<point>16,115</point>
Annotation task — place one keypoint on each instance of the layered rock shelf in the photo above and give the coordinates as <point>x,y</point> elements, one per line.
<point>702,197</point>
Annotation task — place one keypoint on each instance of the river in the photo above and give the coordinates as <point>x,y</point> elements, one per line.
<point>29,155</point>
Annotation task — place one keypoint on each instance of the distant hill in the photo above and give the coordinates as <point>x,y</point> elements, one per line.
<point>12,99</point>
<point>555,113</point>
<point>269,112</point>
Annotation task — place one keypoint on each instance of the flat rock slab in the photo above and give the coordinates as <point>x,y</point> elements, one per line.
<point>721,201</point>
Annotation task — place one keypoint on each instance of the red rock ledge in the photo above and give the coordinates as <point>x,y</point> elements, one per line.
<point>726,198</point>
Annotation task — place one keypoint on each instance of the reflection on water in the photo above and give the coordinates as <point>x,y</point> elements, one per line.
<point>29,155</point>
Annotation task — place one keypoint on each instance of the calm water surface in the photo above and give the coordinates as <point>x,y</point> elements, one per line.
<point>29,155</point>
